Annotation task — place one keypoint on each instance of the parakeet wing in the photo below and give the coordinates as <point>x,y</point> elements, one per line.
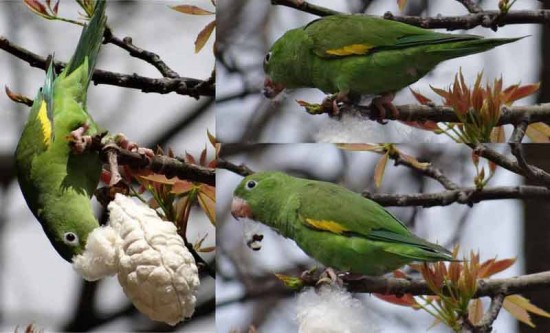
<point>341,36</point>
<point>347,213</point>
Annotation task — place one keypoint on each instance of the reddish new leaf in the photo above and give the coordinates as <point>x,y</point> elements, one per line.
<point>204,35</point>
<point>192,10</point>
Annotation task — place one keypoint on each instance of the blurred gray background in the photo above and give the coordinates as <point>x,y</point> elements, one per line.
<point>36,285</point>
<point>248,28</point>
<point>247,292</point>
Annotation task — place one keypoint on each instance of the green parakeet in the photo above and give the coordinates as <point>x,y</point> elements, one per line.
<point>57,183</point>
<point>337,227</point>
<point>355,55</point>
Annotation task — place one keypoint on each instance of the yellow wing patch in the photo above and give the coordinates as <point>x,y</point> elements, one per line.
<point>45,123</point>
<point>326,225</point>
<point>352,49</point>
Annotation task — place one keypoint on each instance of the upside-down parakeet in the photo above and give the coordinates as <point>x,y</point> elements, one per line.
<point>56,182</point>
<point>338,227</point>
<point>355,55</point>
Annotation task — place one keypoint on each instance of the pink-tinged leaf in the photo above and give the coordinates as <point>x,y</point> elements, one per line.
<point>475,158</point>
<point>202,158</point>
<point>538,133</point>
<point>362,147</point>
<point>36,6</point>
<point>401,4</point>
<point>494,266</point>
<point>379,169</point>
<point>517,311</point>
<point>160,179</point>
<point>18,98</point>
<point>56,7</point>
<point>497,135</point>
<point>405,300</point>
<point>515,92</point>
<point>208,206</point>
<point>475,311</point>
<point>207,249</point>
<point>492,167</point>
<point>182,187</point>
<point>524,303</point>
<point>425,125</point>
<point>211,138</point>
<point>204,35</point>
<point>420,98</point>
<point>189,158</point>
<point>192,10</point>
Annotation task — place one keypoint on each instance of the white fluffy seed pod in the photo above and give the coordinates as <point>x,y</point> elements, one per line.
<point>101,256</point>
<point>156,270</point>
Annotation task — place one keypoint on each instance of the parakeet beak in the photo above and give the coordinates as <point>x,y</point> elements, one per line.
<point>271,89</point>
<point>240,208</point>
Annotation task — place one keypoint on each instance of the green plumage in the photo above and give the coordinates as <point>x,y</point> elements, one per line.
<point>392,55</point>
<point>337,227</point>
<point>57,183</point>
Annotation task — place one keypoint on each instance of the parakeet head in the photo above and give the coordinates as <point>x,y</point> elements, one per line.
<point>69,234</point>
<point>287,62</point>
<point>258,194</point>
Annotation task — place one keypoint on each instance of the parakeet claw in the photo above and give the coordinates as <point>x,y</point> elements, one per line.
<point>78,141</point>
<point>382,104</point>
<point>122,141</point>
<point>329,276</point>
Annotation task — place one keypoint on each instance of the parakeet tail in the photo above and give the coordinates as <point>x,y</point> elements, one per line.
<point>89,42</point>
<point>467,47</point>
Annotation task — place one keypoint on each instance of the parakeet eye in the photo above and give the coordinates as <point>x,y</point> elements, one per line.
<point>267,57</point>
<point>70,238</point>
<point>251,184</point>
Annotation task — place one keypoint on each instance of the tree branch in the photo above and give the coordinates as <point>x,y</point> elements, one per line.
<point>242,169</point>
<point>466,196</point>
<point>535,174</point>
<point>170,167</point>
<point>148,56</point>
<point>485,287</point>
<point>181,85</point>
<point>489,19</point>
<point>413,112</point>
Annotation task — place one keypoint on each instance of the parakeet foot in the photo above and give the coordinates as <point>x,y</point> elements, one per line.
<point>330,277</point>
<point>382,104</point>
<point>122,141</point>
<point>78,141</point>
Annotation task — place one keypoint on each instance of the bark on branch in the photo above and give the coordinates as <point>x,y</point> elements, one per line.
<point>180,85</point>
<point>466,196</point>
<point>170,167</point>
<point>489,18</point>
<point>485,287</point>
<point>413,112</point>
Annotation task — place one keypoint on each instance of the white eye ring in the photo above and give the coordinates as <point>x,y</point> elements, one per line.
<point>70,238</point>
<point>267,57</point>
<point>251,184</point>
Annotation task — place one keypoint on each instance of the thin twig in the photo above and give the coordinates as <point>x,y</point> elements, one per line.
<point>486,323</point>
<point>466,196</point>
<point>242,169</point>
<point>429,171</point>
<point>148,56</point>
<point>182,86</point>
<point>536,174</point>
<point>471,6</point>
